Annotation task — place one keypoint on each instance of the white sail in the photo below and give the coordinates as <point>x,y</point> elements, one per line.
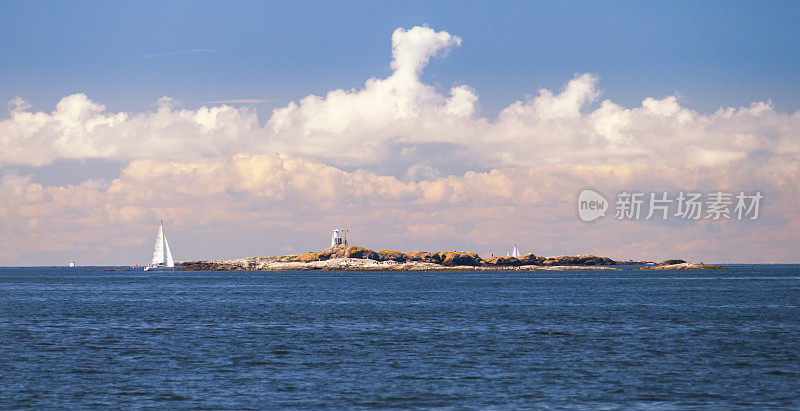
<point>162,256</point>
<point>158,250</point>
<point>170,261</point>
<point>515,252</point>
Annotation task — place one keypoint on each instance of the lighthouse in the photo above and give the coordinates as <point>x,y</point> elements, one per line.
<point>339,237</point>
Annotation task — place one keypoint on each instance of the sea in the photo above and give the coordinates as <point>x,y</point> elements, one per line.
<point>86,337</point>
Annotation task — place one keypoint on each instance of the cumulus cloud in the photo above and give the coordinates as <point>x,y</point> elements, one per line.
<point>400,161</point>
<point>80,128</point>
<point>254,194</point>
<point>399,120</point>
<point>411,49</point>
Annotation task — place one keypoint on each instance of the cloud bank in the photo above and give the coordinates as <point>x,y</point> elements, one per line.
<point>403,162</point>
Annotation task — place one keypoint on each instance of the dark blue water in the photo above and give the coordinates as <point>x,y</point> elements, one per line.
<point>71,337</point>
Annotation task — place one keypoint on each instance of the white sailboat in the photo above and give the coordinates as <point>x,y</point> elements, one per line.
<point>515,252</point>
<point>162,256</point>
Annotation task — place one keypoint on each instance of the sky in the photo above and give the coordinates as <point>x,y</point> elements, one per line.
<point>254,128</point>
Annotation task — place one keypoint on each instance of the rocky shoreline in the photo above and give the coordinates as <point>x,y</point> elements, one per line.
<point>354,258</point>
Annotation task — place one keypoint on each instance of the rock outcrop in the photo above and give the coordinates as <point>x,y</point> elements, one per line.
<point>501,261</point>
<point>671,262</point>
<point>350,257</point>
<point>391,255</point>
<point>587,260</point>
<point>681,265</point>
<point>360,252</point>
<point>562,260</point>
<point>446,258</point>
<point>462,258</point>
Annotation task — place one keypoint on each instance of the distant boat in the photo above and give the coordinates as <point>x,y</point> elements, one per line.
<point>515,252</point>
<point>72,263</point>
<point>162,256</point>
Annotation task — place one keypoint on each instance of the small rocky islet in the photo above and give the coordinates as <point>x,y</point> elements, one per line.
<point>355,258</point>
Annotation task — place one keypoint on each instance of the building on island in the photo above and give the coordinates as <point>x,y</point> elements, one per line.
<point>339,237</point>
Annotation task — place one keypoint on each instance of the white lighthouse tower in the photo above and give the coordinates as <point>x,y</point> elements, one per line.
<point>339,237</point>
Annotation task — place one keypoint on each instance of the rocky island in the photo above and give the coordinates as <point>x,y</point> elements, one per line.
<point>681,265</point>
<point>355,258</point>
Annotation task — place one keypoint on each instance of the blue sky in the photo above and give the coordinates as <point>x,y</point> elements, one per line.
<point>710,53</point>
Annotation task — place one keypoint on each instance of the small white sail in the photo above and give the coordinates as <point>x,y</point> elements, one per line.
<point>515,252</point>
<point>158,250</point>
<point>162,256</point>
<point>170,261</point>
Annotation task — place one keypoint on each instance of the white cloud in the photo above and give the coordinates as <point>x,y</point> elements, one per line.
<point>411,49</point>
<point>80,128</point>
<point>400,161</point>
<point>253,194</point>
<point>398,119</point>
